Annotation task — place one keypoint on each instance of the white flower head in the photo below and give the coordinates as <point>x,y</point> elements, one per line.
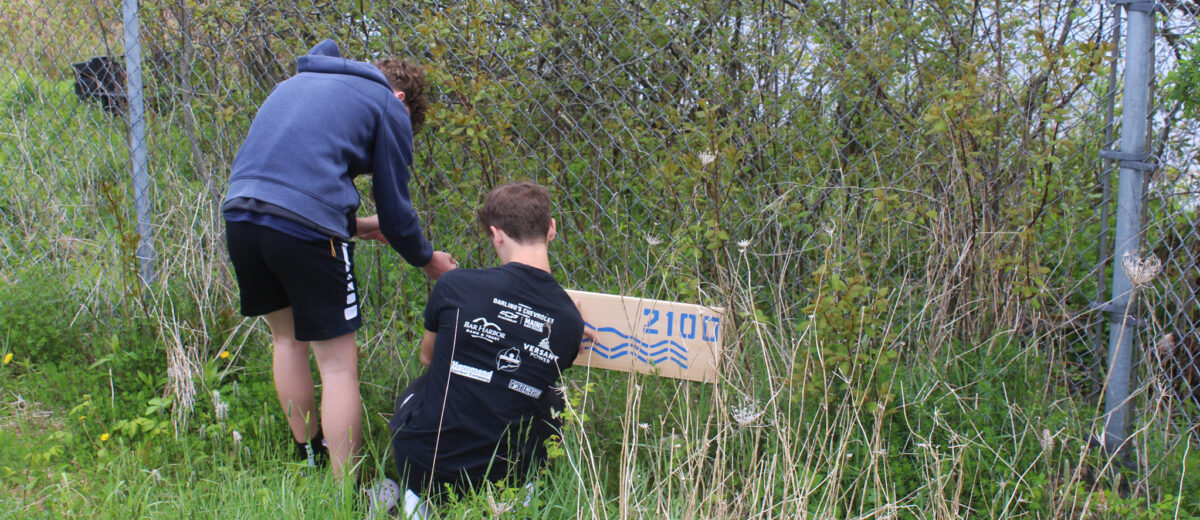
<point>498,507</point>
<point>1047,440</point>
<point>237,438</point>
<point>743,245</point>
<point>653,240</point>
<point>707,157</point>
<point>747,414</point>
<point>1140,271</point>
<point>644,426</point>
<point>220,408</point>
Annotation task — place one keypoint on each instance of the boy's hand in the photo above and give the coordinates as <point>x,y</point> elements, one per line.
<point>439,264</point>
<point>367,228</point>
<point>589,337</point>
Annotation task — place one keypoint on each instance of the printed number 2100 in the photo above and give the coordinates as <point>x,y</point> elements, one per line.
<point>682,324</point>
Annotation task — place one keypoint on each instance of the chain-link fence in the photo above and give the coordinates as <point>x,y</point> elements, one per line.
<point>940,157</point>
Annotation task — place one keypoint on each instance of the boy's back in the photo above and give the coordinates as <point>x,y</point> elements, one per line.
<point>504,335</point>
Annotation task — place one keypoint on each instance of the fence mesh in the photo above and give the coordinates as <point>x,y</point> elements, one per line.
<point>1170,355</point>
<point>939,157</point>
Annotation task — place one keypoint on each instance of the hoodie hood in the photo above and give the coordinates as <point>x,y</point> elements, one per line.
<point>326,58</point>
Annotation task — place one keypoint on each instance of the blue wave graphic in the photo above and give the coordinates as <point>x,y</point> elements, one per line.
<point>660,352</point>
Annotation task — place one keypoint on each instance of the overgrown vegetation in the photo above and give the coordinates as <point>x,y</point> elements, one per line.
<point>897,204</point>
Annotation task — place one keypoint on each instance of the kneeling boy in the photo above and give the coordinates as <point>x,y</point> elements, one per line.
<point>496,342</point>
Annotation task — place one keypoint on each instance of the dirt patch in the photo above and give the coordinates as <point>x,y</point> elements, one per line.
<point>21,417</point>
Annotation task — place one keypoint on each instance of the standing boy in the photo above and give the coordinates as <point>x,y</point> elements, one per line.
<point>496,342</point>
<point>291,211</point>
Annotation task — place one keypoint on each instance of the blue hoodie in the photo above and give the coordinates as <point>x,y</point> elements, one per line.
<point>334,120</point>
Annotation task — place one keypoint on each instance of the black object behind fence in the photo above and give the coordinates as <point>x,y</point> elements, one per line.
<point>101,79</point>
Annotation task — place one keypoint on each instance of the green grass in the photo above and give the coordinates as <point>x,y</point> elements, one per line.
<point>966,435</point>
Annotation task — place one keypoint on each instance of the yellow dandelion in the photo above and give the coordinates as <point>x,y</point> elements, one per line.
<point>103,437</point>
<point>8,358</point>
<point>224,355</point>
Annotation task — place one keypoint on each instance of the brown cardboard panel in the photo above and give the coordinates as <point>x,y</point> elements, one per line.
<point>669,339</point>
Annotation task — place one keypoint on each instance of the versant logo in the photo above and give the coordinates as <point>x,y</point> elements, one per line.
<point>542,352</point>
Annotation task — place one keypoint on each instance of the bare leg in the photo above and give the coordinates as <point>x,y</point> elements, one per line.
<point>341,404</point>
<point>293,376</point>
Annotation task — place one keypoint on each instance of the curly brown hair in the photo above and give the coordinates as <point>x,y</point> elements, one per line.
<point>408,78</point>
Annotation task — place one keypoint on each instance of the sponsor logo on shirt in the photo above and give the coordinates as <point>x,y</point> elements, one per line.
<point>521,309</point>
<point>481,328</point>
<point>542,352</point>
<point>509,316</point>
<point>534,325</point>
<point>470,372</point>
<point>523,388</point>
<point>508,359</point>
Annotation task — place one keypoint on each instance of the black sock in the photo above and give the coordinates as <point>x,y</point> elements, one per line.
<point>314,452</point>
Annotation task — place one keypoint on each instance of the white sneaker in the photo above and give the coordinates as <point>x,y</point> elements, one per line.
<point>528,495</point>
<point>383,496</point>
<point>414,507</point>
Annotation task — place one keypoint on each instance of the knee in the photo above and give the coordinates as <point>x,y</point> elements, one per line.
<point>289,344</point>
<point>338,373</point>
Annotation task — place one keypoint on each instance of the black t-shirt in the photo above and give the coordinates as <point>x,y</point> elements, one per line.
<point>504,335</point>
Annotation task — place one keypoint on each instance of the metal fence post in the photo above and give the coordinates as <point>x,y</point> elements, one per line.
<point>1130,195</point>
<point>137,140</point>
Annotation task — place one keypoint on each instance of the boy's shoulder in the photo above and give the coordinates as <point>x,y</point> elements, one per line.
<point>461,275</point>
<point>523,279</point>
<point>470,282</point>
<point>493,274</point>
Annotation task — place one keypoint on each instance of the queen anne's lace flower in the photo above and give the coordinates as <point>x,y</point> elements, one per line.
<point>747,414</point>
<point>1140,270</point>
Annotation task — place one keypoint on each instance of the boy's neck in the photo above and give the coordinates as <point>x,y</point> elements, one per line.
<point>531,255</point>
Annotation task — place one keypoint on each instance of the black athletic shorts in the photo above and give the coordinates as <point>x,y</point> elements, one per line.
<point>413,475</point>
<point>315,278</point>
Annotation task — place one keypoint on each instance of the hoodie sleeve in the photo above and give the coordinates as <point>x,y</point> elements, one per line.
<point>397,219</point>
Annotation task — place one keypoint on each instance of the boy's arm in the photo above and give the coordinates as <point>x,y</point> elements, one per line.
<point>427,343</point>
<point>398,221</point>
<point>433,308</point>
<point>589,337</point>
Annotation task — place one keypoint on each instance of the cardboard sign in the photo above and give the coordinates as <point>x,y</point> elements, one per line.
<point>668,339</point>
